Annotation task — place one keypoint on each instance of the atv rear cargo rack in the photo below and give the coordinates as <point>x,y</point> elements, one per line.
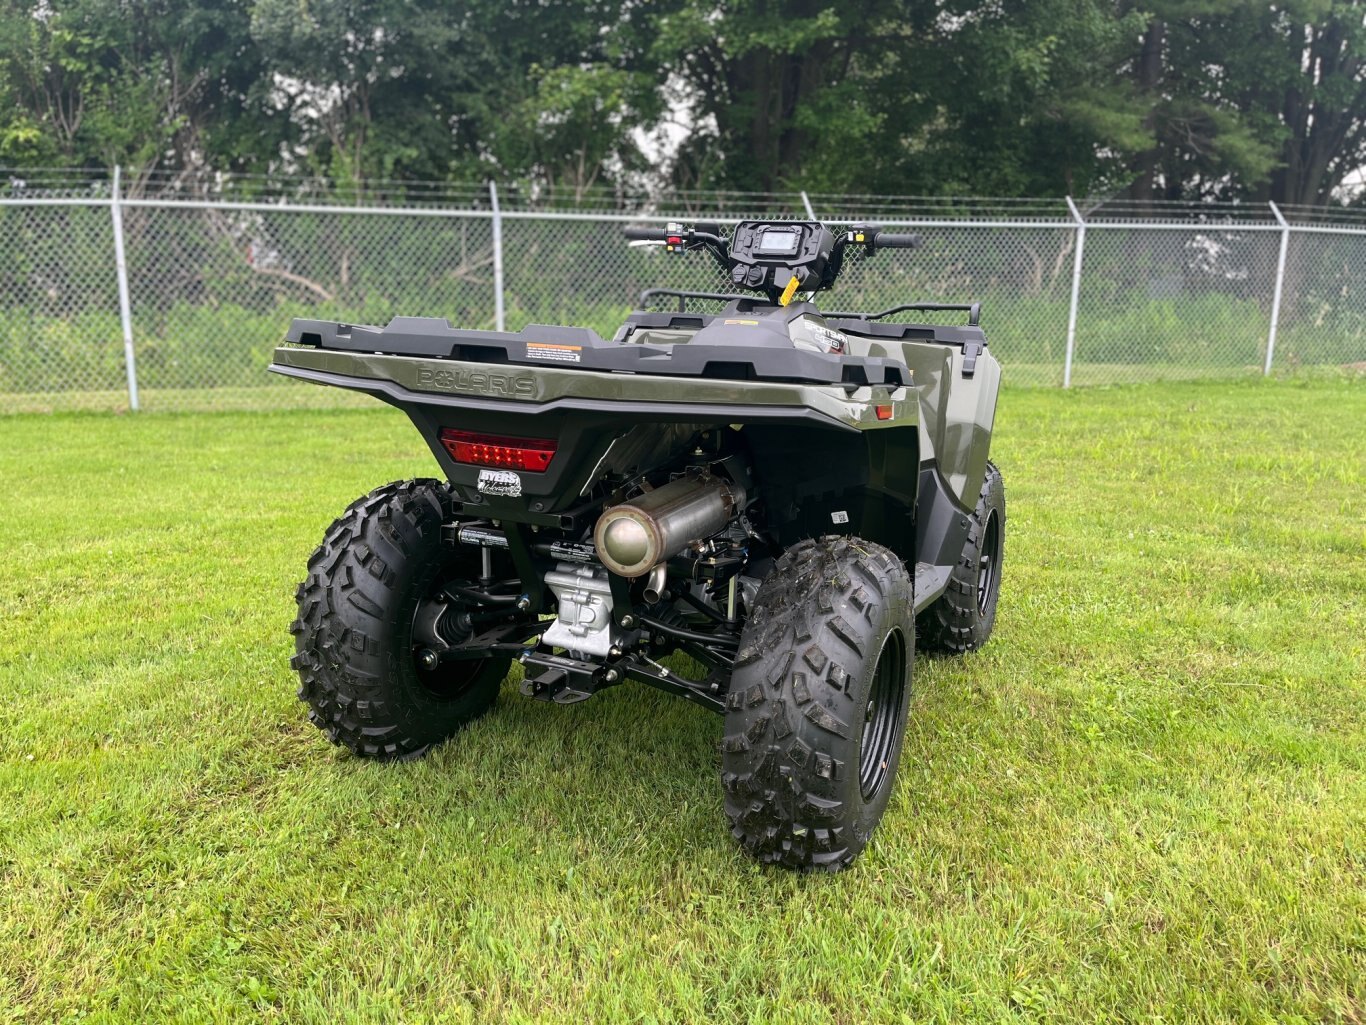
<point>767,354</point>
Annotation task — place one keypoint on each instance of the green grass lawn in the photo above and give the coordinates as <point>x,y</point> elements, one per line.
<point>1145,800</point>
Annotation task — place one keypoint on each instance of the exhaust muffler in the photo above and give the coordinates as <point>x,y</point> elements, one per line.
<point>634,538</point>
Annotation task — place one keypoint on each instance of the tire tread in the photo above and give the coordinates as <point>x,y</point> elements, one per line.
<point>785,749</point>
<point>354,577</point>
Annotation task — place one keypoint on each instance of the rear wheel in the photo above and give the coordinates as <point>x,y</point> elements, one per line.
<point>373,608</point>
<point>818,704</point>
<point>961,619</point>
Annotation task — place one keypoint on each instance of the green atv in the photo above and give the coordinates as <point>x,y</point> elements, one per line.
<point>786,496</point>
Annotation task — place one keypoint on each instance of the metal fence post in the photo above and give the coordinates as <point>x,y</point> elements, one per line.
<point>125,307</point>
<point>497,258</point>
<point>806,202</point>
<point>1076,292</point>
<point>1280,286</point>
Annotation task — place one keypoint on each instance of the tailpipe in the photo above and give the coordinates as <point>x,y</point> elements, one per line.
<point>655,584</point>
<point>634,538</point>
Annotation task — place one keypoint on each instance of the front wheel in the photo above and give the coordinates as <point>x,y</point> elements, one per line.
<point>961,619</point>
<point>373,606</point>
<point>818,703</point>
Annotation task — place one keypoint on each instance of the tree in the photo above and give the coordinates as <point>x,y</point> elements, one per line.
<point>562,91</point>
<point>782,88</point>
<point>1303,70</point>
<point>147,85</point>
<point>1251,100</point>
<point>1177,99</point>
<point>1030,99</point>
<point>351,78</point>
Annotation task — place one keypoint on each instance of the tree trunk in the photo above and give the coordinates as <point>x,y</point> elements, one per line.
<point>1148,77</point>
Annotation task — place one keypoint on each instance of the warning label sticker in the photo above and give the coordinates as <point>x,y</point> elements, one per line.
<point>556,353</point>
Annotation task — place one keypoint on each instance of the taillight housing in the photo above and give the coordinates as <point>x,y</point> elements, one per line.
<point>475,449</point>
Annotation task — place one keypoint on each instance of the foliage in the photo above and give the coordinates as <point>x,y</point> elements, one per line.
<point>144,84</point>
<point>1173,99</point>
<point>1039,102</point>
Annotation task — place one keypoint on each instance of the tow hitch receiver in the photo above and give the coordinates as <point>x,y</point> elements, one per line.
<point>565,681</point>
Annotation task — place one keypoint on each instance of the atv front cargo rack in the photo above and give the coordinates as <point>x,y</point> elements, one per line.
<point>870,325</point>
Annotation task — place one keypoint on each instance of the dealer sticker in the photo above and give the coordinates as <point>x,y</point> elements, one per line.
<point>555,353</point>
<point>503,483</point>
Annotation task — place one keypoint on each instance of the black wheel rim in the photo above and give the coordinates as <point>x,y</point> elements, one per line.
<point>443,626</point>
<point>989,562</point>
<point>882,716</point>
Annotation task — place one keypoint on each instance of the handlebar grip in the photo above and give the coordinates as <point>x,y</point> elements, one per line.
<point>646,234</point>
<point>894,240</point>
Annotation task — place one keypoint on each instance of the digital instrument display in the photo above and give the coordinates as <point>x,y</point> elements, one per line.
<point>778,242</point>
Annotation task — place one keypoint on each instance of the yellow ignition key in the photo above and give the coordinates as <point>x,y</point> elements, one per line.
<point>789,291</point>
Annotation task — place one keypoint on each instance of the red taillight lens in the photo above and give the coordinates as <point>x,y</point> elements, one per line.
<point>883,412</point>
<point>532,454</point>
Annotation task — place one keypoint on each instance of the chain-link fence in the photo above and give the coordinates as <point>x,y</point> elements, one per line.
<point>158,297</point>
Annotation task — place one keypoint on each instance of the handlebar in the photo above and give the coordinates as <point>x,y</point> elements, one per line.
<point>689,236</point>
<point>880,239</point>
<point>682,239</point>
<point>814,270</point>
<point>893,240</point>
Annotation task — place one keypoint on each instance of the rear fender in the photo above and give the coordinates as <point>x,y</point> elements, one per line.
<point>816,482</point>
<point>585,412</point>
